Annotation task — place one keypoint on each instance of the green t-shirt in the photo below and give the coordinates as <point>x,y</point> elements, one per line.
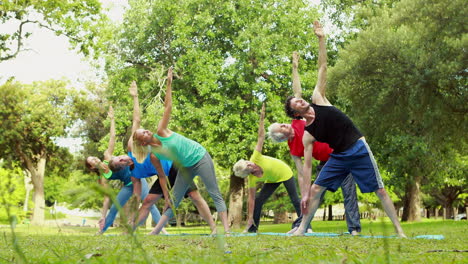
<point>108,174</point>
<point>274,170</point>
<point>179,149</point>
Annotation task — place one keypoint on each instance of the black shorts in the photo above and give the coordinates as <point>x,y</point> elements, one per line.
<point>156,187</point>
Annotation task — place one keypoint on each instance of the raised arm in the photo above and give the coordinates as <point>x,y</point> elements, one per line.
<point>164,122</point>
<point>318,96</point>
<point>110,147</point>
<point>136,113</point>
<point>296,82</point>
<point>261,130</point>
<point>308,141</point>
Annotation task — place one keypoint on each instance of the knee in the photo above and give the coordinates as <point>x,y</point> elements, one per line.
<point>194,196</point>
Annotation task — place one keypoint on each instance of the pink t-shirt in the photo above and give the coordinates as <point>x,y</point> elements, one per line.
<point>321,151</point>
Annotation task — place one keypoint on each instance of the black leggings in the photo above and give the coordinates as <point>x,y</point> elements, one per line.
<point>267,190</point>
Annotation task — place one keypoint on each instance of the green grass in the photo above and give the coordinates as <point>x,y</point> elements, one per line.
<point>80,245</point>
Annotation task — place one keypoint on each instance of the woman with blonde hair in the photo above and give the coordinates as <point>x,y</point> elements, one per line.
<point>103,169</point>
<point>191,158</point>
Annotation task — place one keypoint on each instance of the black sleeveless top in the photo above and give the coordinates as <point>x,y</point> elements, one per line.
<point>333,127</point>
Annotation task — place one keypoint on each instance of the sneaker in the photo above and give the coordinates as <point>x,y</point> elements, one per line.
<point>309,230</point>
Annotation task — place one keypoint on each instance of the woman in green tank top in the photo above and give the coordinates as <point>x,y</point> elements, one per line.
<point>190,156</point>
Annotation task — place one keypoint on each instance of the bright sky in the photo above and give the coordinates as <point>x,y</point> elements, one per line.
<point>49,57</point>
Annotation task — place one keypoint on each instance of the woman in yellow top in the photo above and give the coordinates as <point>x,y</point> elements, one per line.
<point>272,172</point>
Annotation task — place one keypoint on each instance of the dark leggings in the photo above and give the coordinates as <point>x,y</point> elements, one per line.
<point>267,190</point>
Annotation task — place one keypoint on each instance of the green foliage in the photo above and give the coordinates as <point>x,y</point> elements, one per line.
<point>12,193</point>
<point>403,81</point>
<point>228,56</point>
<point>77,20</point>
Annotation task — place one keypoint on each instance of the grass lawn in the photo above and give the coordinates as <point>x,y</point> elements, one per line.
<point>80,245</point>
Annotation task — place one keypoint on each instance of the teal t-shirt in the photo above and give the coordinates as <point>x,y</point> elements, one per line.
<point>180,149</point>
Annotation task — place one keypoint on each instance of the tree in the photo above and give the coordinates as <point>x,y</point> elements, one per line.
<point>404,82</point>
<point>228,57</point>
<point>77,20</point>
<point>33,115</point>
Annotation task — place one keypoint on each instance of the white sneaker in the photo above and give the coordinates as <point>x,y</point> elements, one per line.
<point>354,233</point>
<point>309,230</point>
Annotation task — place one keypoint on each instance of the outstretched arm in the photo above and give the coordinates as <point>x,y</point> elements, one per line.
<point>162,126</point>
<point>318,96</point>
<point>296,82</point>
<point>261,130</point>
<point>308,141</point>
<point>136,113</point>
<point>110,147</point>
<point>250,209</point>
<point>162,180</point>
<point>105,205</point>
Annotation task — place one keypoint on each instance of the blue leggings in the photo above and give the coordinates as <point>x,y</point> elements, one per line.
<point>122,198</point>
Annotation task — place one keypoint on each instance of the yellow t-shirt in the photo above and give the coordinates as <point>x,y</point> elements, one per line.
<point>274,170</point>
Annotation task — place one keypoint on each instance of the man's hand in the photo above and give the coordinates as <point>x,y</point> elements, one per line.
<point>295,60</point>
<point>133,89</point>
<point>318,29</point>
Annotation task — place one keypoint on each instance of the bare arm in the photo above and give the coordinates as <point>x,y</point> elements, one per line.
<point>110,147</point>
<point>164,122</point>
<point>105,204</point>
<point>136,113</point>
<point>251,206</point>
<point>261,130</point>
<point>136,188</point>
<point>162,179</point>
<point>308,141</point>
<point>318,96</point>
<point>296,82</point>
<point>299,167</point>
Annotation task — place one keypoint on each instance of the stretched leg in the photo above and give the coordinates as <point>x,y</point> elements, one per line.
<point>314,202</point>
<point>153,209</point>
<point>267,190</point>
<point>148,203</point>
<point>390,210</point>
<point>122,197</point>
<point>178,191</point>
<point>205,169</point>
<point>203,209</point>
<point>351,205</point>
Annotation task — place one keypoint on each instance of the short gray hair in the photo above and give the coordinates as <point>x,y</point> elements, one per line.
<point>240,169</point>
<point>274,135</point>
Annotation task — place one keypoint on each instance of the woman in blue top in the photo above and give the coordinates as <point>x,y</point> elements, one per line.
<point>103,169</point>
<point>191,158</point>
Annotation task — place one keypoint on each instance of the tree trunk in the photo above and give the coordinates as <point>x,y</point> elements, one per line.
<point>236,198</point>
<point>324,214</point>
<point>28,186</point>
<point>330,212</point>
<point>412,201</point>
<point>280,218</point>
<point>37,177</point>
